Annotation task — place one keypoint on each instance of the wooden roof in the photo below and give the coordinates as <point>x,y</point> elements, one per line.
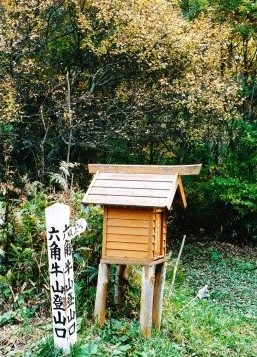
<point>135,189</point>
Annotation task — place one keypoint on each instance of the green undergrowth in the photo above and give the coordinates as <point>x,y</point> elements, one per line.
<point>222,324</point>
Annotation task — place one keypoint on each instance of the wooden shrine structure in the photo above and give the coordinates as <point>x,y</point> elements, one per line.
<point>136,200</point>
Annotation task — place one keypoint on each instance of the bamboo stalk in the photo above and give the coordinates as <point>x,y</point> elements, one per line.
<point>176,266</point>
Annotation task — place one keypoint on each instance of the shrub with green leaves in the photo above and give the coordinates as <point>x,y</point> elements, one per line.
<point>23,256</point>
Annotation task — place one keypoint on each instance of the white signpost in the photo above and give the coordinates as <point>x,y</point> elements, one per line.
<point>59,235</point>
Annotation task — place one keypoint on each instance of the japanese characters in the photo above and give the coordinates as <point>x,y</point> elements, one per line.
<point>59,235</point>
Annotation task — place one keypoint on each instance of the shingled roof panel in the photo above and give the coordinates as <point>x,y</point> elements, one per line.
<point>132,189</point>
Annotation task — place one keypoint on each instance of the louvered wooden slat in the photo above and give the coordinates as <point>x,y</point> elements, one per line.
<point>114,222</point>
<point>130,213</point>
<point>126,230</point>
<point>141,247</point>
<point>134,254</point>
<point>126,238</point>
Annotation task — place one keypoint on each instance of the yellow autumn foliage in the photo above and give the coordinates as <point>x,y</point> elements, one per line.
<point>148,30</point>
<point>178,67</point>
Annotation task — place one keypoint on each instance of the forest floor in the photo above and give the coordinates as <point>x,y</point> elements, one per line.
<point>222,324</point>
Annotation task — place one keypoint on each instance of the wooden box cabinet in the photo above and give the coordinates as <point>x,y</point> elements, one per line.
<point>136,200</point>
<point>134,235</point>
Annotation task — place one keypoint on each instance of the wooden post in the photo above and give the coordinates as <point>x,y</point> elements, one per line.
<point>147,301</point>
<point>59,235</point>
<point>159,284</point>
<point>119,287</point>
<point>101,292</point>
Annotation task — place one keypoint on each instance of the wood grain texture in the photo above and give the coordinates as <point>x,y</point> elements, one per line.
<point>125,247</point>
<point>129,213</point>
<point>127,238</point>
<point>138,231</point>
<point>125,201</point>
<point>130,192</point>
<point>146,304</point>
<point>182,193</point>
<point>154,169</point>
<point>133,190</point>
<point>101,292</point>
<point>133,177</point>
<point>134,234</point>
<point>159,283</point>
<point>120,286</point>
<point>133,184</point>
<point>118,222</point>
<point>126,254</point>
<point>133,261</point>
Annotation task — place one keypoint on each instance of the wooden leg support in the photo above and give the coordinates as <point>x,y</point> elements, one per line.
<point>147,301</point>
<point>152,289</point>
<point>159,283</point>
<point>101,292</point>
<point>119,287</point>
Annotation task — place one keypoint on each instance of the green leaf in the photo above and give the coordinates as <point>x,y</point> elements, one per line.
<point>7,317</point>
<point>89,349</point>
<point>124,348</point>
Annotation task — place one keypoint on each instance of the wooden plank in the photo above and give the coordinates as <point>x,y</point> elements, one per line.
<point>146,304</point>
<point>150,234</point>
<point>128,213</point>
<point>126,201</point>
<point>130,192</point>
<point>115,222</point>
<point>126,230</point>
<point>172,192</point>
<point>119,286</point>
<point>106,211</point>
<point>157,258</point>
<point>134,177</point>
<point>165,234</point>
<point>139,247</point>
<point>128,254</point>
<point>126,238</point>
<point>90,186</point>
<point>133,184</point>
<point>101,292</point>
<point>153,169</point>
<point>159,210</point>
<point>160,273</point>
<point>132,261</point>
<point>182,193</point>
<point>158,235</point>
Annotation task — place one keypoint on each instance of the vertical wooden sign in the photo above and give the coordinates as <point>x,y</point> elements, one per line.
<point>59,235</point>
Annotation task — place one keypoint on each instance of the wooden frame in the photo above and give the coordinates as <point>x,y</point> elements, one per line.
<point>152,289</point>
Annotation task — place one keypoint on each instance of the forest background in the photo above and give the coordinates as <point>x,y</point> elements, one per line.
<point>121,82</point>
<point>135,82</point>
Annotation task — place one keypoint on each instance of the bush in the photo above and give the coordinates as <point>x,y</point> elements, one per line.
<point>220,207</point>
<point>24,273</point>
